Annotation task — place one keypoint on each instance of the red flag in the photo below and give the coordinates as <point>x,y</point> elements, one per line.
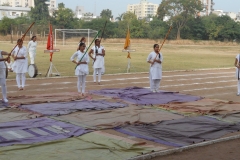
<point>50,41</point>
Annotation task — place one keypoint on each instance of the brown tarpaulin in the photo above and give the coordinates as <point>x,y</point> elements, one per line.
<point>117,117</point>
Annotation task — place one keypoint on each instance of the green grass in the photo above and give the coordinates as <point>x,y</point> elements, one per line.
<point>176,57</point>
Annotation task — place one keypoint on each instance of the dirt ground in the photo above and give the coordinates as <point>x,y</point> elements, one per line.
<point>214,83</point>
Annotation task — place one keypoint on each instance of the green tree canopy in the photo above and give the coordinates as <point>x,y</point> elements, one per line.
<point>39,13</point>
<point>179,11</point>
<point>106,13</point>
<point>64,18</point>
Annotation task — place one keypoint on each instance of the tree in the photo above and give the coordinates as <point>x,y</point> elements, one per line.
<point>129,16</point>
<point>5,25</point>
<point>64,17</point>
<point>106,13</point>
<point>39,13</point>
<point>179,11</point>
<point>120,17</point>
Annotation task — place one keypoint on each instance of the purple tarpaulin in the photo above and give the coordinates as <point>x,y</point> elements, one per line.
<point>181,132</point>
<point>144,96</point>
<point>56,109</point>
<point>37,130</point>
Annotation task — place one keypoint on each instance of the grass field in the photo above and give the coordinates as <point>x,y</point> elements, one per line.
<point>176,57</point>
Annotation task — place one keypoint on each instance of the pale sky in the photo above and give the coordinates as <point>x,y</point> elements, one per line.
<point>120,6</point>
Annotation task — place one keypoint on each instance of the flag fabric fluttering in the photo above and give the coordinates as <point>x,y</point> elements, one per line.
<point>50,42</point>
<point>127,43</point>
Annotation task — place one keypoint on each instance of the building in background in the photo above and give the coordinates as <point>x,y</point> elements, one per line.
<point>207,7</point>
<point>13,12</point>
<point>16,8</point>
<point>79,11</point>
<point>143,9</point>
<point>18,3</point>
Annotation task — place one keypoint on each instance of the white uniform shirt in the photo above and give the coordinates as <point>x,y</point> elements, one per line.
<point>32,47</point>
<point>99,62</point>
<point>20,65</point>
<point>81,69</point>
<point>238,70</point>
<point>156,68</point>
<point>2,63</point>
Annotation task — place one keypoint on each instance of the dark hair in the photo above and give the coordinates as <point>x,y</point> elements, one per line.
<point>81,40</point>
<point>80,45</point>
<point>19,40</point>
<point>33,37</point>
<point>96,40</point>
<point>155,45</point>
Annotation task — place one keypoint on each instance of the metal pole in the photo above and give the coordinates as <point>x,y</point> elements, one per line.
<point>55,38</point>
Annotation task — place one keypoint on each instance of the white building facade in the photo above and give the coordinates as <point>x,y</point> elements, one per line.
<point>13,12</point>
<point>207,7</point>
<point>18,3</point>
<point>143,9</point>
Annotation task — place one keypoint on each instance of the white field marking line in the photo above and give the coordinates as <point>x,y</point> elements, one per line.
<point>210,95</point>
<point>146,82</point>
<point>124,79</point>
<point>199,89</point>
<point>190,84</point>
<point>193,70</point>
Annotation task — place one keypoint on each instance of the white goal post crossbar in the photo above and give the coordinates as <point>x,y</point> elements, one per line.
<point>86,31</point>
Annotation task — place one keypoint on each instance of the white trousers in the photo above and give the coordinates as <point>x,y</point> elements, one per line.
<point>32,57</point>
<point>97,70</point>
<point>81,83</point>
<point>4,87</point>
<point>154,83</point>
<point>238,86</point>
<point>19,77</point>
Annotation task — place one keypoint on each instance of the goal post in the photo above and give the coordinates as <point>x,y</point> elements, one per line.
<point>73,36</point>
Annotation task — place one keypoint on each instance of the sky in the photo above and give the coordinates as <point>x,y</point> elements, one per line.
<point>120,6</point>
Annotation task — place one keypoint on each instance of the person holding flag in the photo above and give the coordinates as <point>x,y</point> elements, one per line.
<point>155,59</point>
<point>21,64</point>
<point>98,52</point>
<point>81,71</point>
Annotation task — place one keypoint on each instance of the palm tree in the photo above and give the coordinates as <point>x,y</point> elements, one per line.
<point>120,17</point>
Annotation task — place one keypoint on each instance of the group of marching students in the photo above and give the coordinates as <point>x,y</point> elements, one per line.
<point>97,53</point>
<point>81,59</point>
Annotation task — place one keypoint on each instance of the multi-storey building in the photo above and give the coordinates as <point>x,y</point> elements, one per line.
<point>207,7</point>
<point>24,7</point>
<point>79,11</point>
<point>143,9</point>
<point>18,3</point>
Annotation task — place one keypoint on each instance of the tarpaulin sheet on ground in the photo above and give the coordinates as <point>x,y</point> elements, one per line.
<point>62,108</point>
<point>204,106</point>
<point>36,130</point>
<point>228,117</point>
<point>7,115</point>
<point>42,98</point>
<point>117,117</point>
<point>182,132</point>
<point>92,146</point>
<point>144,96</point>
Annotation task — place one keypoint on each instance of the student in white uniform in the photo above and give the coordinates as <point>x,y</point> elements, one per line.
<point>32,47</point>
<point>155,72</point>
<point>98,59</point>
<point>237,65</point>
<point>3,75</point>
<point>82,68</point>
<point>20,64</point>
